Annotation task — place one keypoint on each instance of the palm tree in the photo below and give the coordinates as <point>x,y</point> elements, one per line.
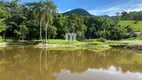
<point>38,8</point>
<point>49,9</point>
<point>44,10</point>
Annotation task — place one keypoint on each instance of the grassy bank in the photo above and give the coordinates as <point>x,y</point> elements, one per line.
<point>133,44</point>
<point>94,43</point>
<point>60,41</point>
<point>62,44</point>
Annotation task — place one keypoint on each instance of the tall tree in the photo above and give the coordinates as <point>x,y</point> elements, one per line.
<point>45,10</point>
<point>48,9</point>
<point>3,17</point>
<point>38,8</point>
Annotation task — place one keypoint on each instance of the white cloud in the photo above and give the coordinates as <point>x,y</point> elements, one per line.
<point>60,11</point>
<point>109,11</point>
<point>139,5</point>
<point>112,73</point>
<point>118,8</point>
<point>68,10</point>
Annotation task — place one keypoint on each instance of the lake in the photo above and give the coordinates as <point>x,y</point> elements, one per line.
<point>29,63</point>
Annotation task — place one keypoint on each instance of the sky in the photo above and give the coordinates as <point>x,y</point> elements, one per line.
<point>97,7</point>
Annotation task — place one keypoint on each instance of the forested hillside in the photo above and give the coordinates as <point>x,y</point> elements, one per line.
<point>34,21</point>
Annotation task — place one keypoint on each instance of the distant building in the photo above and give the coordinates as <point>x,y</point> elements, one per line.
<point>70,36</point>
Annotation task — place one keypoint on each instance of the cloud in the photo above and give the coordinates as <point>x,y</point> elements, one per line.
<point>111,11</point>
<point>67,10</point>
<point>139,5</point>
<point>61,11</point>
<point>112,73</point>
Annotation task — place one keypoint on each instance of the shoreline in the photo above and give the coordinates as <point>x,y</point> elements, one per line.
<point>105,45</point>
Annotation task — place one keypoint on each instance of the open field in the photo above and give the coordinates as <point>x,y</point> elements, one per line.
<point>137,27</point>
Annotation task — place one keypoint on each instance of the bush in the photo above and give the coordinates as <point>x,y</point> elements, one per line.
<point>140,37</point>
<point>1,39</point>
<point>101,39</point>
<point>136,22</point>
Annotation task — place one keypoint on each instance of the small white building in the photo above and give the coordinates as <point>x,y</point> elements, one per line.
<point>70,36</point>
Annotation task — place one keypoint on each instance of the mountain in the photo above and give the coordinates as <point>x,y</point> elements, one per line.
<point>78,11</point>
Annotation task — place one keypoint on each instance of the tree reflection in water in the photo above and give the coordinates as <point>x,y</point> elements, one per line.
<point>41,64</point>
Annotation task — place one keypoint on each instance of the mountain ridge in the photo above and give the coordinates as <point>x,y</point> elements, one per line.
<point>78,11</point>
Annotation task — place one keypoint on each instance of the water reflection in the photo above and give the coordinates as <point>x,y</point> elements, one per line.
<point>112,73</point>
<point>27,63</point>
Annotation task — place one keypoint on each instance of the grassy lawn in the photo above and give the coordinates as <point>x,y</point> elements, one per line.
<point>95,43</point>
<point>60,41</point>
<point>137,27</point>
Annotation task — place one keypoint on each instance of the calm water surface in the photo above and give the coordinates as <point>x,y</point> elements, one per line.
<point>27,63</point>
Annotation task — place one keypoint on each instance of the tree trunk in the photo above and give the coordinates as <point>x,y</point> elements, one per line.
<point>4,35</point>
<point>46,33</point>
<point>40,32</point>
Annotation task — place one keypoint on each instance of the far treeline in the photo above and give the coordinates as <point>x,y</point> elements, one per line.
<point>40,20</point>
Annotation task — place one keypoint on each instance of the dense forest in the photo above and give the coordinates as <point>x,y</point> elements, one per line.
<point>41,20</point>
<point>131,15</point>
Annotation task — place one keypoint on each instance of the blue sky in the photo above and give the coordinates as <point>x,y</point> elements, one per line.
<point>98,7</point>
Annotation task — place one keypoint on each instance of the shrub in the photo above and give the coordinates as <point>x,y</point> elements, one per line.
<point>101,39</point>
<point>1,39</point>
<point>136,22</point>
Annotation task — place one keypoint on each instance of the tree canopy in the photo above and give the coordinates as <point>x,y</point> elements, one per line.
<point>40,20</point>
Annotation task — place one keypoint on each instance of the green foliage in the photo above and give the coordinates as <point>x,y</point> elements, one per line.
<point>3,17</point>
<point>1,39</point>
<point>129,29</point>
<point>131,15</point>
<point>101,39</point>
<point>39,20</point>
<point>51,31</point>
<point>61,24</point>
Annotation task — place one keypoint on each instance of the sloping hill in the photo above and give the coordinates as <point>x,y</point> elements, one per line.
<point>78,11</point>
<point>137,27</point>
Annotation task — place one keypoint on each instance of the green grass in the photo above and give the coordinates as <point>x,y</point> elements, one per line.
<point>1,40</point>
<point>67,48</point>
<point>95,43</point>
<point>60,41</point>
<point>136,27</point>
